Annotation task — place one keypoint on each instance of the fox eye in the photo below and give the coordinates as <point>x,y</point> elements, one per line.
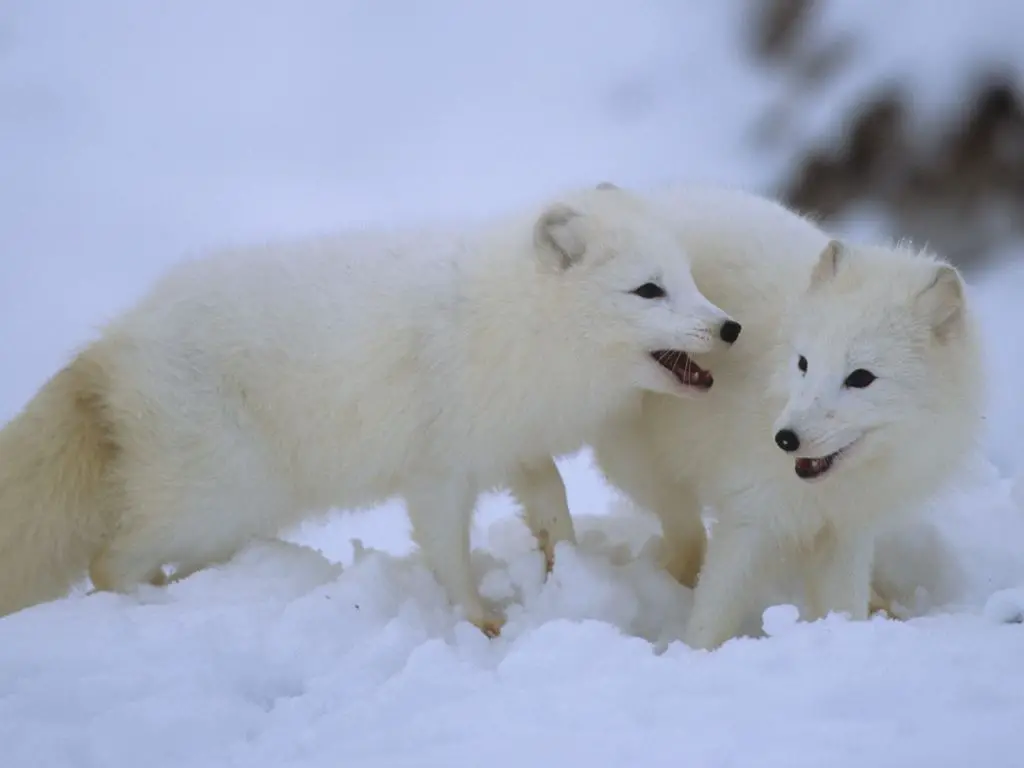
<point>650,291</point>
<point>802,364</point>
<point>859,379</point>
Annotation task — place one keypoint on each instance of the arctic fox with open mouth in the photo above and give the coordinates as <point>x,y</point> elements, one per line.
<point>257,386</point>
<point>853,394</point>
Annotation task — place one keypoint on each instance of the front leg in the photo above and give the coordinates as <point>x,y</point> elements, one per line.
<point>539,489</point>
<point>624,454</point>
<point>734,560</point>
<point>837,574</point>
<point>441,513</point>
<point>682,528</point>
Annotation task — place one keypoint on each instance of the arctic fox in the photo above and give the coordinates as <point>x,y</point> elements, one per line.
<point>254,387</point>
<point>853,394</point>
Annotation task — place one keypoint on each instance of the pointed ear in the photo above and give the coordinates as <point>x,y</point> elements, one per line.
<point>607,185</point>
<point>828,264</point>
<point>559,238</point>
<point>942,301</point>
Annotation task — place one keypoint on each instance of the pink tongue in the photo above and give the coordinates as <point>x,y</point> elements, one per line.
<point>803,463</point>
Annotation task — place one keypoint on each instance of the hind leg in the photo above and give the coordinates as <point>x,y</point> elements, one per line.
<point>190,513</point>
<point>137,549</point>
<point>128,557</point>
<point>188,568</point>
<point>142,544</point>
<point>125,563</point>
<point>118,570</point>
<point>157,579</point>
<point>185,570</point>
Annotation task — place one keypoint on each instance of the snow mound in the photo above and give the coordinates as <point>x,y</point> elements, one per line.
<point>285,658</point>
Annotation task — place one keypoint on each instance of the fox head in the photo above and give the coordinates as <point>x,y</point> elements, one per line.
<point>620,272</point>
<point>882,360</point>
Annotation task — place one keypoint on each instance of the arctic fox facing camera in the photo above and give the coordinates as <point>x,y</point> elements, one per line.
<point>852,397</point>
<point>255,387</point>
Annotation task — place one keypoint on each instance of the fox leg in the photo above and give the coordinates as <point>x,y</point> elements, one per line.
<point>837,575</point>
<point>442,516</point>
<point>540,491</point>
<point>735,555</point>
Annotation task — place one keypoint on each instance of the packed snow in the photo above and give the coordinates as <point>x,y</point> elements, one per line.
<point>132,133</point>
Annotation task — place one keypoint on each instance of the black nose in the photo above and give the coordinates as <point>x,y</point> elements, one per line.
<point>787,440</point>
<point>730,331</point>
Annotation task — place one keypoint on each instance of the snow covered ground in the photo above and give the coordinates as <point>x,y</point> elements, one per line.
<point>133,131</point>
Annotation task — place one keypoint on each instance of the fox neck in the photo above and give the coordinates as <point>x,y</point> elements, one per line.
<point>531,338</point>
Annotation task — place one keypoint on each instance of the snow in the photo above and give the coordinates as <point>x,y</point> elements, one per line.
<point>999,309</point>
<point>133,132</point>
<point>276,661</point>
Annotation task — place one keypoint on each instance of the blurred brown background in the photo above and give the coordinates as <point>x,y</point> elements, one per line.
<point>958,185</point>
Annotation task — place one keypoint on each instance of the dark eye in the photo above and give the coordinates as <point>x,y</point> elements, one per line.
<point>859,379</point>
<point>650,291</point>
<point>802,364</point>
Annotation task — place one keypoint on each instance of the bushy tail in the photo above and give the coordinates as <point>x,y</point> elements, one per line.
<point>54,458</point>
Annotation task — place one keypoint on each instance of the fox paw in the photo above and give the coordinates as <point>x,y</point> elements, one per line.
<point>548,549</point>
<point>685,571</point>
<point>883,605</point>
<point>490,623</point>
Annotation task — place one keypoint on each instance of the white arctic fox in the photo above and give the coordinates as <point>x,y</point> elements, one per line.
<point>854,392</point>
<point>254,387</point>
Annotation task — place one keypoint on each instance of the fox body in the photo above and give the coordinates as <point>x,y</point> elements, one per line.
<point>854,393</point>
<point>254,387</point>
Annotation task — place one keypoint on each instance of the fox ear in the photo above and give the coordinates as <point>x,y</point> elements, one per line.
<point>942,301</point>
<point>559,238</point>
<point>828,264</point>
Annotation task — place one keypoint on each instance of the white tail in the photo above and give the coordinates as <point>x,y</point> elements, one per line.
<point>54,491</point>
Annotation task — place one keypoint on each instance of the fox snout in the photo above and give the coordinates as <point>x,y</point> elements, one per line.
<point>789,434</point>
<point>722,330</point>
<point>812,434</point>
<point>698,325</point>
<point>708,335</point>
<point>787,429</point>
<point>716,326</point>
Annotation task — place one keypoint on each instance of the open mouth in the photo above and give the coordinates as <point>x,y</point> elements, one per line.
<point>811,469</point>
<point>687,372</point>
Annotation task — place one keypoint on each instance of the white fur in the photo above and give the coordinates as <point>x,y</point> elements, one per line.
<point>254,387</point>
<point>900,314</point>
